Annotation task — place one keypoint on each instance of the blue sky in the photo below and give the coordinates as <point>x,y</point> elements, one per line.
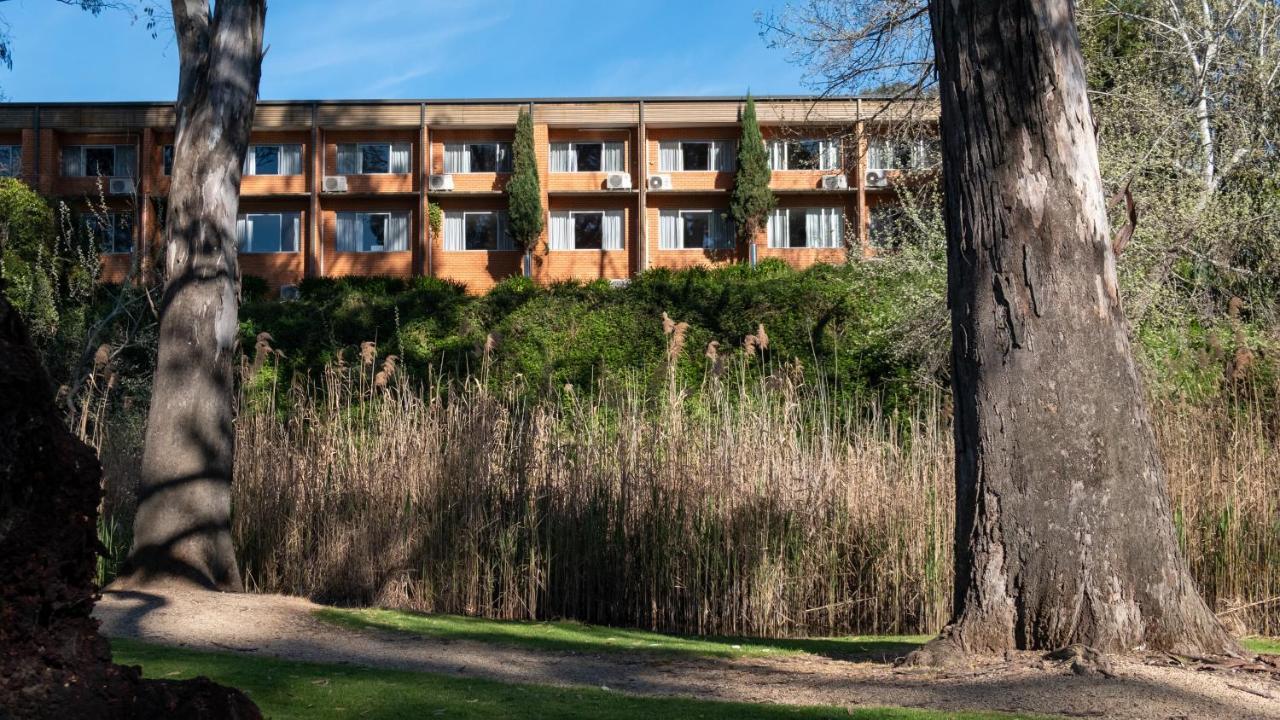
<point>429,48</point>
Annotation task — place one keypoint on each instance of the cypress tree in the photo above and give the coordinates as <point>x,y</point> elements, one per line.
<point>524,194</point>
<point>752,199</point>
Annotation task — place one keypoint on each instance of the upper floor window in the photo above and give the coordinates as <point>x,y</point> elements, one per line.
<point>373,231</point>
<point>112,231</point>
<point>907,154</point>
<point>166,159</point>
<point>806,228</point>
<point>96,160</point>
<point>10,160</point>
<point>374,158</point>
<point>804,155</point>
<point>686,156</point>
<point>587,157</point>
<point>586,230</point>
<point>477,157</point>
<point>268,232</point>
<point>273,160</point>
<point>485,230</point>
<point>695,230</point>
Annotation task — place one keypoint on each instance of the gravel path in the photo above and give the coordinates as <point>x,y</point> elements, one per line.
<point>285,627</point>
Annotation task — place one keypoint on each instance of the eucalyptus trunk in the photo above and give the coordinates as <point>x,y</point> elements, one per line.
<point>1064,533</point>
<point>183,525</point>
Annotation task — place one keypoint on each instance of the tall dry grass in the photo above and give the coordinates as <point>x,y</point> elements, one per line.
<point>757,507</point>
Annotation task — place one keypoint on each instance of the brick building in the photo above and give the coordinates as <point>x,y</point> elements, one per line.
<point>337,188</point>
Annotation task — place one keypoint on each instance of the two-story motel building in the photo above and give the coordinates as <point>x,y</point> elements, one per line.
<point>334,188</point>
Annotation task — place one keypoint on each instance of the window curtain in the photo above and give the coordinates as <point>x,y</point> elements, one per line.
<point>669,159</point>
<point>779,228</point>
<point>126,161</point>
<point>73,161</point>
<point>456,159</point>
<point>504,232</point>
<point>291,160</point>
<point>455,229</point>
<point>397,239</point>
<point>348,159</point>
<point>777,155</point>
<point>562,158</point>
<point>242,233</point>
<point>349,231</point>
<point>290,231</point>
<point>561,237</point>
<point>612,230</point>
<point>721,230</point>
<point>669,229</point>
<point>877,154</point>
<point>830,150</point>
<point>250,166</point>
<point>504,157</point>
<point>723,157</point>
<point>824,227</point>
<point>611,159</point>
<point>400,158</point>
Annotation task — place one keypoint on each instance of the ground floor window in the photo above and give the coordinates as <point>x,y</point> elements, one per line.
<point>268,232</point>
<point>806,228</point>
<point>480,230</point>
<point>10,160</point>
<point>373,231</point>
<point>882,228</point>
<point>586,230</point>
<point>112,231</point>
<point>695,230</point>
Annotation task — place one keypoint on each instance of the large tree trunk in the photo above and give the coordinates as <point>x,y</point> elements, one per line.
<point>1063,533</point>
<point>183,526</point>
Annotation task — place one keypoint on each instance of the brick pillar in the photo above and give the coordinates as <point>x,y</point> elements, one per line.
<point>542,150</point>
<point>49,155</point>
<point>860,133</point>
<point>30,162</point>
<point>146,213</point>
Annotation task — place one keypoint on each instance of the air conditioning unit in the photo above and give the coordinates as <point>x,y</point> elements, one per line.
<point>835,182</point>
<point>288,292</point>
<point>335,183</point>
<point>440,182</point>
<point>659,182</point>
<point>876,178</point>
<point>120,186</point>
<point>618,181</point>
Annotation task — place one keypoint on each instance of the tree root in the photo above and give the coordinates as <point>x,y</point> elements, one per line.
<point>1084,660</point>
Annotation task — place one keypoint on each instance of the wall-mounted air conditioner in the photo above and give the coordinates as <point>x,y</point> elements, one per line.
<point>439,183</point>
<point>120,186</point>
<point>659,182</point>
<point>877,179</point>
<point>288,292</point>
<point>335,183</point>
<point>618,181</point>
<point>835,182</point>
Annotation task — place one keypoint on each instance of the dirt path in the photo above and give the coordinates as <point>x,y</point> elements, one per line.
<point>285,627</point>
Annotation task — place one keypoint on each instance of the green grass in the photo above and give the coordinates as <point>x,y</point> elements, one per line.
<point>284,689</point>
<point>579,637</point>
<point>1262,645</point>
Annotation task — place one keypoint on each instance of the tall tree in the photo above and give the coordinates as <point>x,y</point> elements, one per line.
<point>752,198</point>
<point>183,525</point>
<point>524,193</point>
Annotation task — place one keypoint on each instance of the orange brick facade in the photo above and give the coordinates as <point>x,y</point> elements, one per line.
<point>641,126</point>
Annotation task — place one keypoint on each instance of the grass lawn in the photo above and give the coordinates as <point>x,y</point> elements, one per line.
<point>315,691</point>
<point>1262,645</point>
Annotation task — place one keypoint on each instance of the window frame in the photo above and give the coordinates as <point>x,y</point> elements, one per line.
<point>167,155</point>
<point>731,243</point>
<point>279,148</point>
<point>84,160</point>
<point>16,168</point>
<point>496,164</point>
<point>297,236</point>
<point>573,215</point>
<point>497,236</point>
<point>112,216</point>
<point>684,165</point>
<point>360,146</point>
<point>786,154</point>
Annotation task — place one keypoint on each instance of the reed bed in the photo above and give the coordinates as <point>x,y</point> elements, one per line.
<point>753,506</point>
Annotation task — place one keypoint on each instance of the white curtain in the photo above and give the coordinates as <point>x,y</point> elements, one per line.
<point>612,230</point>
<point>504,232</point>
<point>813,228</point>
<point>126,161</point>
<point>723,156</point>
<point>250,166</point>
<point>779,230</point>
<point>456,159</point>
<point>669,159</point>
<point>830,154</point>
<point>878,154</point>
<point>669,229</point>
<point>350,228</point>
<point>563,158</point>
<point>455,230</point>
<point>290,231</point>
<point>347,158</point>
<point>721,230</point>
<point>611,160</point>
<point>397,239</point>
<point>400,158</point>
<point>242,234</point>
<point>290,159</point>
<point>777,155</point>
<point>73,161</point>
<point>504,157</point>
<point>561,237</point>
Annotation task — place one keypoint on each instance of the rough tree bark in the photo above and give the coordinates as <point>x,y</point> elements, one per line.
<point>1064,533</point>
<point>183,526</point>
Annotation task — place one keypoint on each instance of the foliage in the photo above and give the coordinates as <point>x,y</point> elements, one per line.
<point>524,194</point>
<point>254,288</point>
<point>752,199</point>
<point>435,218</point>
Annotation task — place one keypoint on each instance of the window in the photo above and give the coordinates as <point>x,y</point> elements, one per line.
<point>695,230</point>
<point>268,232</point>
<point>112,231</point>
<point>99,160</point>
<point>702,155</point>
<point>806,228</point>
<point>10,160</point>
<point>587,157</point>
<point>882,228</point>
<point>273,160</point>
<point>373,232</point>
<point>586,230</point>
<point>374,158</point>
<point>477,157</point>
<point>166,158</point>
<point>485,230</point>
<point>890,154</point>
<point>804,154</point>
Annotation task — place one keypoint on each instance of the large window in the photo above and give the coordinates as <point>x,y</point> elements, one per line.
<point>112,231</point>
<point>477,157</point>
<point>588,157</point>
<point>99,160</point>
<point>806,154</point>
<point>696,155</point>
<point>586,230</point>
<point>374,158</point>
<point>10,160</point>
<point>484,230</point>
<point>373,231</point>
<point>268,232</point>
<point>273,160</point>
<point>695,230</point>
<point>905,154</point>
<point>806,228</point>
